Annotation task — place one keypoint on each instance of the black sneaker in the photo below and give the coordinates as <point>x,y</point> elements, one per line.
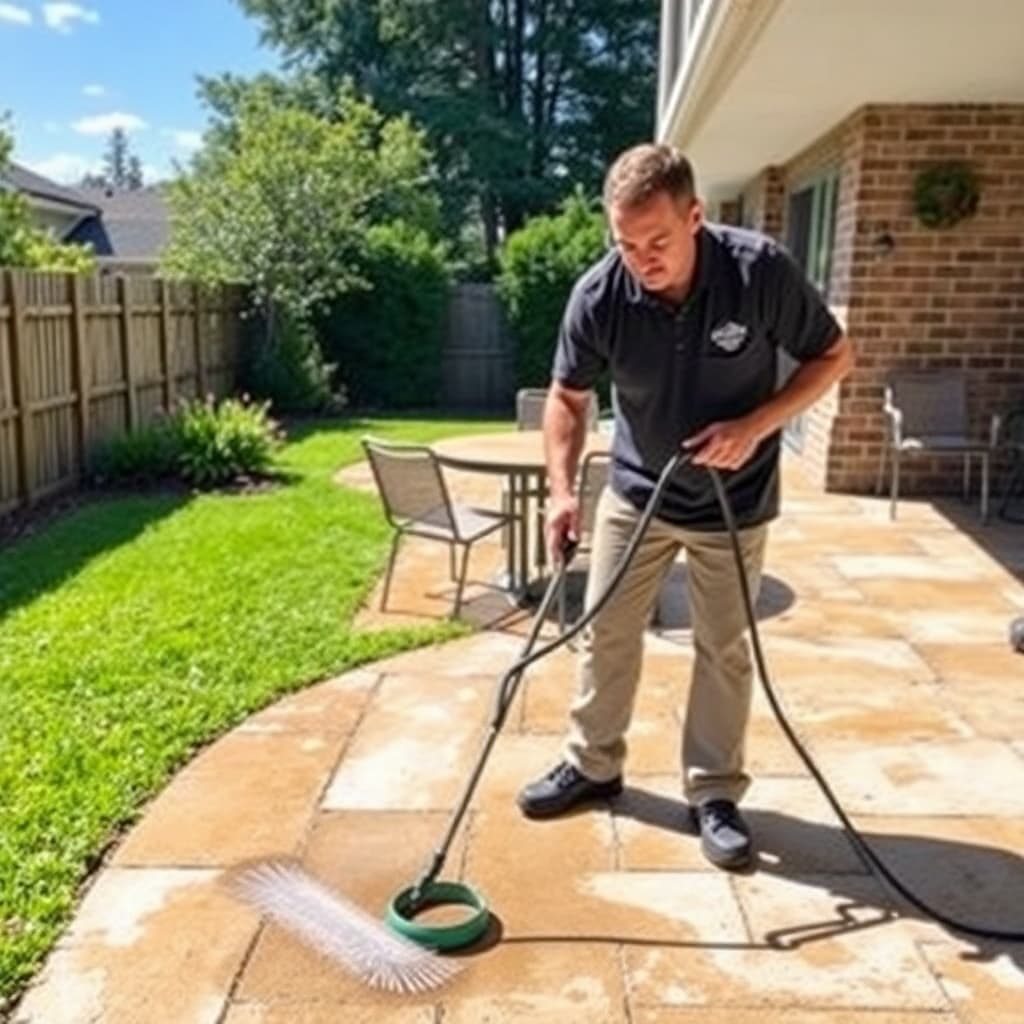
<point>563,787</point>
<point>724,836</point>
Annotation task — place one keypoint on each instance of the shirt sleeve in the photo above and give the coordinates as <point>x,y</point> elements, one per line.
<point>581,354</point>
<point>798,318</point>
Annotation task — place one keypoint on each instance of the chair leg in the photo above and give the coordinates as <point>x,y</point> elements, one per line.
<point>967,477</point>
<point>894,490</point>
<point>1016,477</point>
<point>462,582</point>
<point>391,567</point>
<point>451,562</point>
<point>984,487</point>
<point>880,480</point>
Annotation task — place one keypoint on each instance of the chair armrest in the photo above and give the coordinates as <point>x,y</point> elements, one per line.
<point>895,420</point>
<point>995,428</point>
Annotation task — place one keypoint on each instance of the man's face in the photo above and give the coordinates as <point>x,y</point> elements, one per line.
<point>657,240</point>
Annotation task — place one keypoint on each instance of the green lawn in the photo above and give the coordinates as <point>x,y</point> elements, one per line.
<point>139,628</point>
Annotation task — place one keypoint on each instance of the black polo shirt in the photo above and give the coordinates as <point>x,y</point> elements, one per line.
<point>674,369</point>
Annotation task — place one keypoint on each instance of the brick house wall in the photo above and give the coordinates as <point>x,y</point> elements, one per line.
<point>940,298</point>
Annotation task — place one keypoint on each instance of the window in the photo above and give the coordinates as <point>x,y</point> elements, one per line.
<point>812,227</point>
<point>810,236</point>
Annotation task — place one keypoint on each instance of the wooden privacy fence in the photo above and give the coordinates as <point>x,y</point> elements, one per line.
<point>85,358</point>
<point>478,361</point>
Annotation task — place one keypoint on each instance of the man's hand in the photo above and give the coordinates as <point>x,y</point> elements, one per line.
<point>726,444</point>
<point>563,520</point>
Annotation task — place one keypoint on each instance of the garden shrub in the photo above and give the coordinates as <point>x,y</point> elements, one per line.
<point>205,443</point>
<point>539,265</point>
<point>386,338</point>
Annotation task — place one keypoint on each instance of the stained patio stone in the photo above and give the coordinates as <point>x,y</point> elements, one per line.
<point>211,815</point>
<point>972,868</point>
<point>787,1015</point>
<point>953,568</point>
<point>794,829</point>
<point>322,1012</point>
<point>985,986</point>
<point>413,748</point>
<point>332,707</point>
<point>949,594</point>
<point>833,655</point>
<point>831,706</point>
<point>811,945</point>
<point>944,626</point>
<point>966,777</point>
<point>821,618</point>
<point>982,684</point>
<point>543,980</point>
<point>137,935</point>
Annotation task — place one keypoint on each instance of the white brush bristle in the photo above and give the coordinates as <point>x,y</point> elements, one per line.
<point>342,931</point>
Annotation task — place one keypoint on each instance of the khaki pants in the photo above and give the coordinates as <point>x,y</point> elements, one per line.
<point>610,658</point>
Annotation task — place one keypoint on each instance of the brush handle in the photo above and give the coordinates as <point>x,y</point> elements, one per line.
<point>509,683</point>
<point>505,694</point>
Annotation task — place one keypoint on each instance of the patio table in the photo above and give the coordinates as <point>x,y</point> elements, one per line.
<point>518,456</point>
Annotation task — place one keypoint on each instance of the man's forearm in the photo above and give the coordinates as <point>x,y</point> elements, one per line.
<point>564,433</point>
<point>805,387</point>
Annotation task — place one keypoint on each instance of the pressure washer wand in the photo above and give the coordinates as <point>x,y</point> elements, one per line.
<point>505,694</point>
<point>509,683</point>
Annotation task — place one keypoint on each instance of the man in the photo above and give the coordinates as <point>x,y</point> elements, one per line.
<point>688,318</point>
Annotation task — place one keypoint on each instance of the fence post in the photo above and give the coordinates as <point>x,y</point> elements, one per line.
<point>123,297</point>
<point>20,384</point>
<point>165,347</point>
<point>79,368</point>
<point>197,294</point>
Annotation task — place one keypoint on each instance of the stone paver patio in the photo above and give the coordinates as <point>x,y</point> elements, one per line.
<point>888,645</point>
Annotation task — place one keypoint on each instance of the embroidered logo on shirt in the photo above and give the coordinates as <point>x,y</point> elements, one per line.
<point>730,336</point>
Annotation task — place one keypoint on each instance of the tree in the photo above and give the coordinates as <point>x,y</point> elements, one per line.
<point>133,179</point>
<point>115,160</point>
<point>122,169</point>
<point>521,99</point>
<point>539,265</point>
<point>283,202</point>
<point>22,244</point>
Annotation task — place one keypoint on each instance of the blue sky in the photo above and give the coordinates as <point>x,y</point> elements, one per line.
<point>70,72</point>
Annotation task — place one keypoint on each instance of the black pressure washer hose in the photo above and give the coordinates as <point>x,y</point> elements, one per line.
<point>510,682</point>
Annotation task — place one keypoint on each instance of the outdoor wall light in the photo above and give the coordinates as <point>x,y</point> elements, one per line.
<point>883,245</point>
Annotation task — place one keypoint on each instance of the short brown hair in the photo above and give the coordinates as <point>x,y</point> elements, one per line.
<point>645,170</point>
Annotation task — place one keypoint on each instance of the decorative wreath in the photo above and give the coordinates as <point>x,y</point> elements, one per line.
<point>946,193</point>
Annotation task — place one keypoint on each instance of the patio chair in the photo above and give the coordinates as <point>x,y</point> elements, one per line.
<point>530,409</point>
<point>416,502</point>
<point>530,416</point>
<point>926,412</point>
<point>591,481</point>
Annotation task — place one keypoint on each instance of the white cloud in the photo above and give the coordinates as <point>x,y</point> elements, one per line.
<point>94,90</point>
<point>62,16</point>
<point>15,15</point>
<point>187,140</point>
<point>104,124</point>
<point>65,168</point>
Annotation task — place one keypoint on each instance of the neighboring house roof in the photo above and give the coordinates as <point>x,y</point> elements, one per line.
<point>133,225</point>
<point>35,186</point>
<point>123,226</point>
